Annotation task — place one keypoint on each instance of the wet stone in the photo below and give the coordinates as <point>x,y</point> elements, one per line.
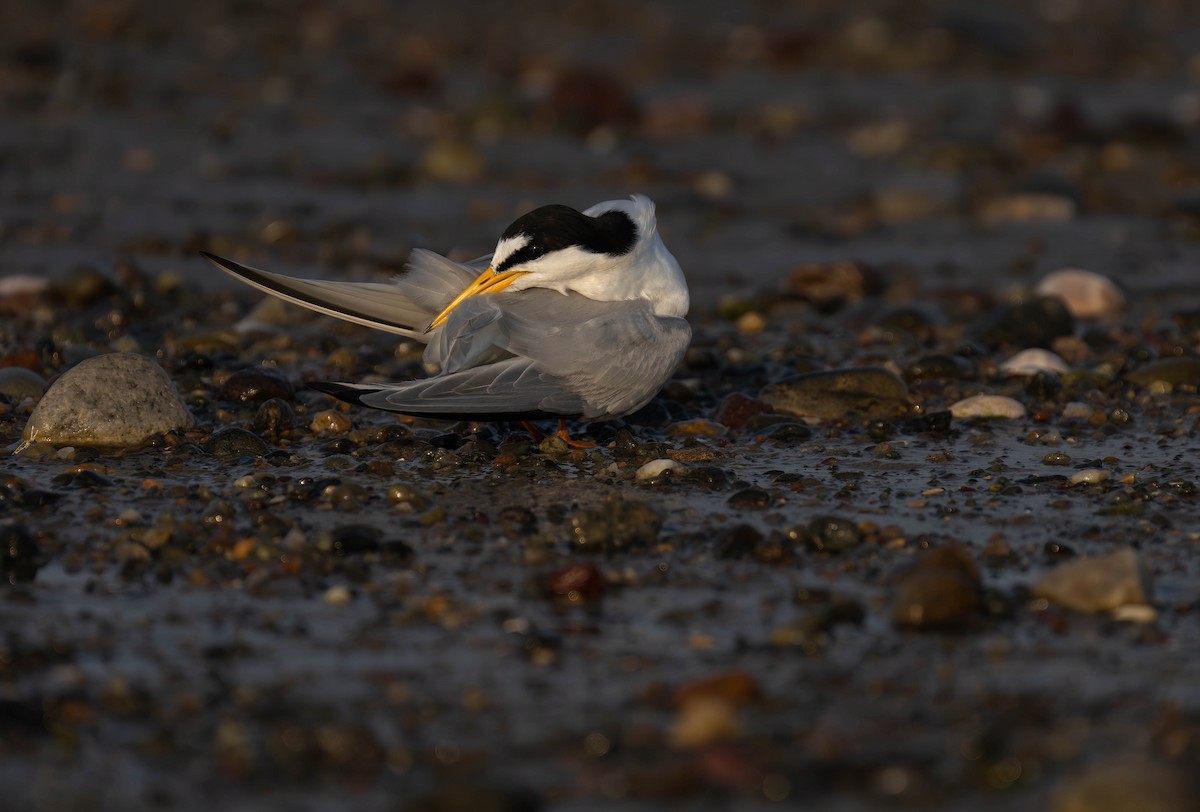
<point>865,392</point>
<point>939,366</point>
<point>987,406</point>
<point>615,526</point>
<point>832,534</point>
<point>1035,323</point>
<point>352,539</point>
<point>1183,371</point>
<point>1044,386</point>
<point>739,542</point>
<point>1087,294</point>
<point>274,420</point>
<point>18,382</point>
<point>942,591</point>
<point>83,478</point>
<point>749,499</point>
<point>232,442</point>
<point>736,409</point>
<point>577,583</point>
<point>787,433</point>
<point>115,400</point>
<point>255,385</point>
<point>18,554</point>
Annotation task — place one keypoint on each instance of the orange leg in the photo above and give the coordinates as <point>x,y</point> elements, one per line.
<point>565,436</point>
<point>562,434</point>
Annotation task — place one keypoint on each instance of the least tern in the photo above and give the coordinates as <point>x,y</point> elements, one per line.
<point>575,315</point>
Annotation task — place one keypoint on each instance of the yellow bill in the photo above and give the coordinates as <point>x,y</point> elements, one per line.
<point>487,282</point>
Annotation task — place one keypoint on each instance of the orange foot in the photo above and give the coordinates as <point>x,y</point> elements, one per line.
<point>562,434</point>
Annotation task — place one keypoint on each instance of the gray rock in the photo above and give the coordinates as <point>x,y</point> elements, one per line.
<point>1097,584</point>
<point>869,392</point>
<point>18,382</point>
<point>116,400</point>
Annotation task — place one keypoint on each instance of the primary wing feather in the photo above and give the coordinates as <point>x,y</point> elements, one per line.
<point>403,306</point>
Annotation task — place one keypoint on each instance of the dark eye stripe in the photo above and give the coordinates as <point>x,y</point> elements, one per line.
<point>555,227</point>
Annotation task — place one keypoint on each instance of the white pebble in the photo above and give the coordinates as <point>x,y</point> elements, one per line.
<point>1135,613</point>
<point>655,469</point>
<point>1032,361</point>
<point>1087,294</point>
<point>1075,410</point>
<point>1090,476</point>
<point>987,406</point>
<point>337,595</point>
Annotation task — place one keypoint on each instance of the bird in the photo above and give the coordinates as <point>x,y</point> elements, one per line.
<point>576,315</point>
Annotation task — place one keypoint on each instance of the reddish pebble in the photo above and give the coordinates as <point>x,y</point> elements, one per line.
<point>737,409</point>
<point>576,583</point>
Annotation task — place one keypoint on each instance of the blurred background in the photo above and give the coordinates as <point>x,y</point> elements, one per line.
<point>952,140</point>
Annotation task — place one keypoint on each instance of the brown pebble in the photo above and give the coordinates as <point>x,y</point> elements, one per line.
<point>941,591</point>
<point>736,409</point>
<point>734,687</point>
<point>255,385</point>
<point>330,421</point>
<point>576,582</point>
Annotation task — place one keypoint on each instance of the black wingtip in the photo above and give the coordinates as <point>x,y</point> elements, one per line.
<point>350,394</point>
<point>228,265</point>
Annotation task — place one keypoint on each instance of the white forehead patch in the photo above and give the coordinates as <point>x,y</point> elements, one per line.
<point>506,247</point>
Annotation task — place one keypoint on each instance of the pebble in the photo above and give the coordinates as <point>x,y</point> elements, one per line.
<point>1183,371</point>
<point>865,392</point>
<point>620,524</point>
<point>255,385</point>
<point>453,160</point>
<point>18,382</point>
<point>115,400</point>
<point>750,499</point>
<point>832,534</point>
<point>1087,294</point>
<point>703,721</point>
<point>330,421</point>
<point>826,285</point>
<point>1127,784</point>
<point>1095,584</point>
<point>987,406</point>
<point>577,583</point>
<point>659,471</point>
<point>736,409</point>
<point>232,442</point>
<point>1024,207</point>
<point>942,591</point>
<point>1032,361</point>
<point>1090,476</point>
<point>18,554</point>
<point>1035,323</point>
<point>739,542</point>
<point>274,420</point>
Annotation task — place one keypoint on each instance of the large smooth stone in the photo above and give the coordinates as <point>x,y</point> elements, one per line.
<point>1096,584</point>
<point>116,400</point>
<point>867,392</point>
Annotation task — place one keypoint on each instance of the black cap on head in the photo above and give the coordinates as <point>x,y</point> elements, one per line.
<point>555,227</point>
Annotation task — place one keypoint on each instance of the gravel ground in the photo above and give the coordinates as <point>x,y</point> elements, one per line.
<point>760,590</point>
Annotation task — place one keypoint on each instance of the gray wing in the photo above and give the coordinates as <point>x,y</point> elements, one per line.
<point>510,389</point>
<point>614,356</point>
<point>405,305</point>
<point>537,353</point>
